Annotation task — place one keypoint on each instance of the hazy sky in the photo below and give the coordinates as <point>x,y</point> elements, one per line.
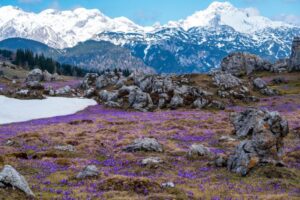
<point>147,12</point>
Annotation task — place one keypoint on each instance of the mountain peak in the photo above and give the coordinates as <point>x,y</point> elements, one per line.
<point>220,5</point>
<point>224,13</point>
<point>50,27</point>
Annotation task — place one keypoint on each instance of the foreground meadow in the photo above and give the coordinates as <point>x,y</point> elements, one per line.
<point>98,136</point>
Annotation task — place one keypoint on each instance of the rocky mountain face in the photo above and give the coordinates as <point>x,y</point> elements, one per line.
<point>295,56</point>
<point>195,44</point>
<point>201,48</point>
<point>100,56</point>
<point>92,55</point>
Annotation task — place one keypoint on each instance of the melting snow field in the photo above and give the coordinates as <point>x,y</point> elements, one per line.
<point>15,110</point>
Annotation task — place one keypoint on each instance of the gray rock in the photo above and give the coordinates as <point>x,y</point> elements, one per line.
<point>168,185</point>
<point>295,55</point>
<point>112,104</point>
<point>151,161</point>
<point>35,85</point>
<point>144,144</point>
<point>47,76</point>
<point>244,90</point>
<point>199,150</point>
<point>89,81</point>
<point>259,83</point>
<point>265,132</point>
<point>226,138</point>
<point>63,91</point>
<point>106,80</point>
<point>226,81</point>
<point>240,64</point>
<point>243,159</point>
<point>35,75</point>
<point>269,91</point>
<point>223,94</point>
<point>163,99</point>
<point>23,93</point>
<point>9,143</point>
<point>221,161</point>
<point>198,92</point>
<point>10,177</point>
<point>279,80</point>
<point>155,83</point>
<point>245,122</point>
<point>125,90</point>
<point>140,100</point>
<point>68,147</point>
<point>52,92</point>
<point>145,82</point>
<point>182,90</point>
<point>88,171</point>
<point>89,93</point>
<point>121,82</point>
<point>106,96</point>
<point>280,66</point>
<point>216,105</point>
<point>163,85</point>
<point>176,101</point>
<point>200,103</point>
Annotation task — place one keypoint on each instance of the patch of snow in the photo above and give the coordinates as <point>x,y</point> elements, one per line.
<point>15,110</point>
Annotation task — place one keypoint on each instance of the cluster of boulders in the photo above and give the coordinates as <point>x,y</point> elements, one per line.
<point>240,64</point>
<point>33,87</point>
<point>39,75</point>
<point>146,92</point>
<point>230,86</point>
<point>262,133</point>
<point>261,85</point>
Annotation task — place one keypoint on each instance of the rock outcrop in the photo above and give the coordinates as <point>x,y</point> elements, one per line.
<point>240,64</point>
<point>199,150</point>
<point>295,55</point>
<point>231,87</point>
<point>263,132</point>
<point>9,177</point>
<point>144,144</point>
<point>35,75</point>
<point>68,147</point>
<point>147,92</point>
<point>151,161</point>
<point>226,80</point>
<point>39,75</point>
<point>88,171</point>
<point>280,66</point>
<point>261,85</point>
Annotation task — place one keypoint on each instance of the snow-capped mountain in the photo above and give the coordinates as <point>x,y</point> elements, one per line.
<point>60,29</point>
<point>195,44</point>
<point>223,13</point>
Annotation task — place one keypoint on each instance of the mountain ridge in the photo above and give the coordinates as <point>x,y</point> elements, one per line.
<point>192,45</point>
<point>48,26</point>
